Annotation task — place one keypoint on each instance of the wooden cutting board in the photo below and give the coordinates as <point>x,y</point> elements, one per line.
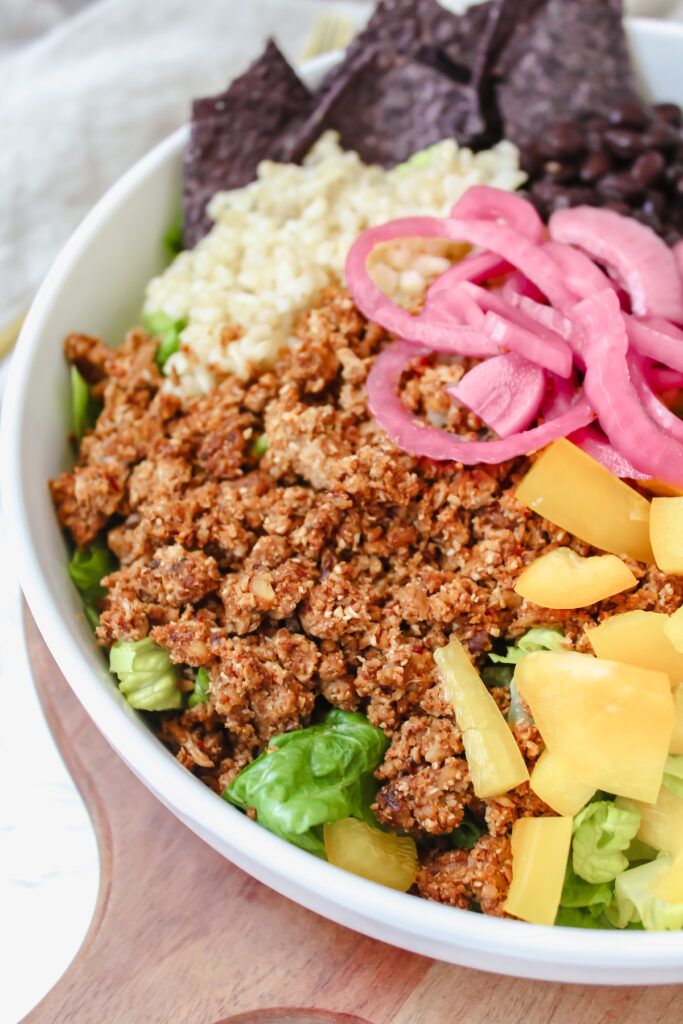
<point>181,935</point>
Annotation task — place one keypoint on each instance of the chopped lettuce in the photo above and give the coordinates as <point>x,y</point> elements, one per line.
<point>259,446</point>
<point>537,639</point>
<point>466,834</point>
<point>312,777</point>
<point>87,567</point>
<point>422,158</point>
<point>84,408</point>
<point>673,774</point>
<point>200,694</point>
<point>601,834</point>
<point>173,237</point>
<point>635,904</point>
<point>147,678</point>
<point>168,332</point>
<point>593,898</point>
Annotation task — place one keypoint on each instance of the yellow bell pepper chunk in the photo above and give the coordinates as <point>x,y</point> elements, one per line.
<point>380,856</point>
<point>494,760</point>
<point>540,850</point>
<point>661,822</point>
<point>608,722</point>
<point>563,579</point>
<point>673,627</point>
<point>666,534</point>
<point>639,638</point>
<point>563,792</point>
<point>676,743</point>
<point>576,493</point>
<point>667,883</point>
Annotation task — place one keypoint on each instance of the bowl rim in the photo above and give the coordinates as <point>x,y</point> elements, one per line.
<point>283,866</point>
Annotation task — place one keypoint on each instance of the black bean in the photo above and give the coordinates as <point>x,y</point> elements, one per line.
<point>670,113</point>
<point>623,208</point>
<point>546,192</point>
<point>655,203</point>
<point>562,173</point>
<point>563,139</point>
<point>530,159</point>
<point>651,220</point>
<point>594,130</point>
<point>620,186</point>
<point>672,174</point>
<point>628,115</point>
<point>624,142</point>
<point>594,166</point>
<point>649,167</point>
<point>660,136</point>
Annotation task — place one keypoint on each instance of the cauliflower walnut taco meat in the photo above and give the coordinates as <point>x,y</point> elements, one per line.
<point>332,566</point>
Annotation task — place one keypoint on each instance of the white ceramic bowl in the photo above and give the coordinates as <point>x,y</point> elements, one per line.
<point>96,286</point>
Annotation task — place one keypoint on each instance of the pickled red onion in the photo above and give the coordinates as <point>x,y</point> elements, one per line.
<point>414,436</point>
<point>610,391</point>
<point>505,392</point>
<point>641,261</point>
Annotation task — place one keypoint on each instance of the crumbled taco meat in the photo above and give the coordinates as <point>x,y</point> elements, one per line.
<point>332,567</point>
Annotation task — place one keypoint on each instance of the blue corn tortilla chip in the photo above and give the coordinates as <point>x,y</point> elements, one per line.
<point>559,60</point>
<point>413,55</point>
<point>232,132</point>
<point>389,106</point>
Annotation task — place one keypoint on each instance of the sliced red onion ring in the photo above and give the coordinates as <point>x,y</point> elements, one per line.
<point>581,276</point>
<point>610,391</point>
<point>505,392</point>
<point>640,260</point>
<point>518,286</point>
<point>664,379</point>
<point>655,344</point>
<point>433,330</point>
<point>594,443</point>
<point>483,202</point>
<point>545,316</point>
<point>654,407</point>
<point>413,435</point>
<point>512,328</point>
<point>551,354</point>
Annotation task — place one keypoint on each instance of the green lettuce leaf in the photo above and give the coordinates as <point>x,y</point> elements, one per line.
<point>589,897</point>
<point>84,408</point>
<point>673,774</point>
<point>576,917</point>
<point>147,678</point>
<point>87,567</point>
<point>601,834</point>
<point>634,904</point>
<point>173,236</point>
<point>168,332</point>
<point>537,639</point>
<point>259,447</point>
<point>200,694</point>
<point>312,777</point>
<point>465,836</point>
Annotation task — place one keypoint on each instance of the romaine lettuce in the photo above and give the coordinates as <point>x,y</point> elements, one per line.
<point>168,332</point>
<point>147,678</point>
<point>200,694</point>
<point>84,408</point>
<point>602,833</point>
<point>87,567</point>
<point>312,777</point>
<point>634,903</point>
<point>673,774</point>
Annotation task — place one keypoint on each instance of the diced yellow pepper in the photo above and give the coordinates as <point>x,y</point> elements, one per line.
<point>667,883</point>
<point>563,579</point>
<point>676,743</point>
<point>540,849</point>
<point>638,638</point>
<point>576,493</point>
<point>661,821</point>
<point>608,722</point>
<point>493,756</point>
<point>366,851</point>
<point>563,792</point>
<point>662,490</point>
<point>666,534</point>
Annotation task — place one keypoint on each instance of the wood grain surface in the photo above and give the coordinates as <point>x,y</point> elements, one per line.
<point>181,935</point>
